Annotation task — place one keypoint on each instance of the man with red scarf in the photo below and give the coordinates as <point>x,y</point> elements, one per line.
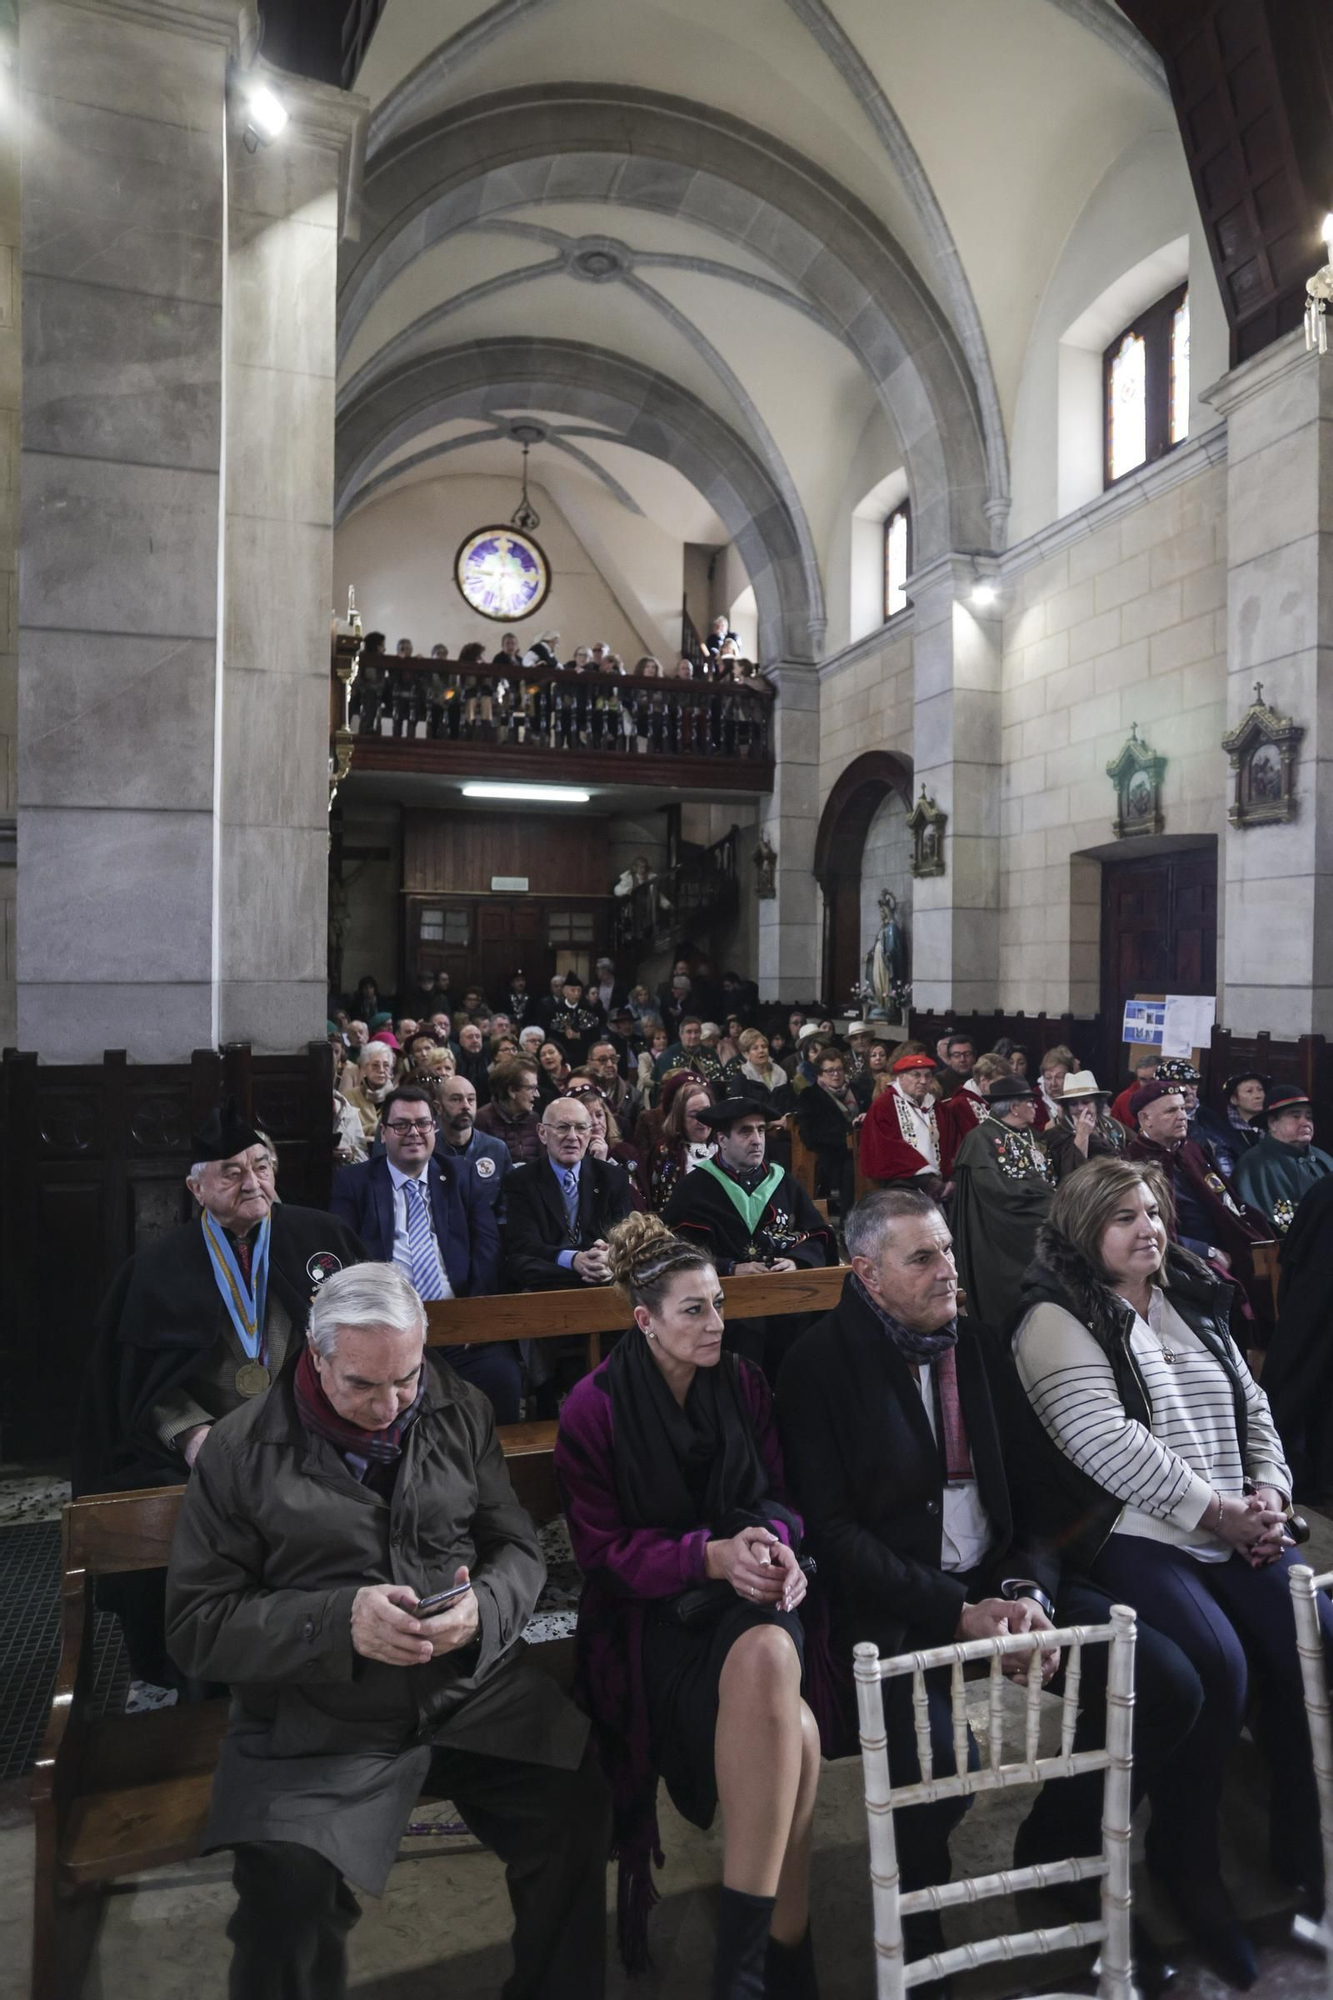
<point>319,1517</point>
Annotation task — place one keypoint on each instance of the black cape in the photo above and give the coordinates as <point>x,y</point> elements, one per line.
<point>790,1226</point>
<point>1298,1366</point>
<point>162,1313</point>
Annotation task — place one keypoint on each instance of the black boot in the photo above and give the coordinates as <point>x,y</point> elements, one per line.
<point>1209,1916</point>
<point>790,1970</point>
<point>742,1939</point>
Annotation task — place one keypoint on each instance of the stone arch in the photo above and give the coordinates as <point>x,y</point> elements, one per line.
<point>643,410</point>
<point>840,843</point>
<point>646,150</point>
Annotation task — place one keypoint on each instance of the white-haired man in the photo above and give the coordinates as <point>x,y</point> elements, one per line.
<point>317,1524</point>
<point>196,1323</point>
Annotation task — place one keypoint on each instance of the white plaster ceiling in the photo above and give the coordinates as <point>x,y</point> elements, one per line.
<point>975,131</point>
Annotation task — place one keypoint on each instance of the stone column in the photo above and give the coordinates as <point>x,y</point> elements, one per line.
<point>9,578</point>
<point>282,235</point>
<point>123,271</point>
<point>956,754</point>
<point>1278,880</point>
<point>789,922</point>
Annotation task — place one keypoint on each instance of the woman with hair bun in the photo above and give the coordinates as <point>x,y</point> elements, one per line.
<point>691,1653</point>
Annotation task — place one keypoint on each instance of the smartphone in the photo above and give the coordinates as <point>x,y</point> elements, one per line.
<point>428,1606</point>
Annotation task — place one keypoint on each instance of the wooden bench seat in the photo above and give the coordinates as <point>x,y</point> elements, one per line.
<point>149,1778</point>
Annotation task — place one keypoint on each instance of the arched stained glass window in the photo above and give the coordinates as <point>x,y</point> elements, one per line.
<point>1180,371</point>
<point>1127,407</point>
<point>1146,372</point>
<point>897,559</point>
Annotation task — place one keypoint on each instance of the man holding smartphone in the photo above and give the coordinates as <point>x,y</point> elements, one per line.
<point>351,1559</point>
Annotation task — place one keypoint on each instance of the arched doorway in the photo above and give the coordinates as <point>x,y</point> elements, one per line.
<point>840,845</point>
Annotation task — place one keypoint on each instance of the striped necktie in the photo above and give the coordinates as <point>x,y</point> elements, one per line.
<point>423,1263</point>
<point>570,1183</point>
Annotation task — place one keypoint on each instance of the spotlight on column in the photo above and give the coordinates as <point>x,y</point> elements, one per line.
<point>984,595</point>
<point>266,116</point>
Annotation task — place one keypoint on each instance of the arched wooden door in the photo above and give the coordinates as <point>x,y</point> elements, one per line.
<point>839,847</point>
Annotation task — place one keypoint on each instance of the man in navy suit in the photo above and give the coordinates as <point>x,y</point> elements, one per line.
<point>412,1209</point>
<point>561,1206</point>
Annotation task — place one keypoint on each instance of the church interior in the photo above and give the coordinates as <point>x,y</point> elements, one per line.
<point>728,600</point>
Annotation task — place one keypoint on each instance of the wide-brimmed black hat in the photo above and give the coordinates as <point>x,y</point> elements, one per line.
<point>223,1135</point>
<point>720,1117</point>
<point>1283,1097</point>
<point>1006,1089</point>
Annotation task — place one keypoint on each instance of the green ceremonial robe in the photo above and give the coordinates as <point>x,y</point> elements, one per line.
<point>1273,1176</point>
<point>1002,1191</point>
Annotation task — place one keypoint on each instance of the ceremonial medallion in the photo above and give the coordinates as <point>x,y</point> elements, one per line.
<point>321,1266</point>
<point>502,573</point>
<point>252,1379</point>
<point>485,1167</point>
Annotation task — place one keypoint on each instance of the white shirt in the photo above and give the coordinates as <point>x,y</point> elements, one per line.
<point>918,1127</point>
<point>968,1535</point>
<point>402,1255</point>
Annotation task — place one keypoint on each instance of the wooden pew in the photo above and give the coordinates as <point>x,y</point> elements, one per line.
<point>804,1161</point>
<point>114,1795</point>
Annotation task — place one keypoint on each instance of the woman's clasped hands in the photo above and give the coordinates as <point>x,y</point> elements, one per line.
<point>759,1567</point>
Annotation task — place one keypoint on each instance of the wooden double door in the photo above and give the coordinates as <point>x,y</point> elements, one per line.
<point>481,940</point>
<point>1159,935</point>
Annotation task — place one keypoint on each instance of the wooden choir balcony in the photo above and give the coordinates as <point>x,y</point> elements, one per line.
<point>489,722</point>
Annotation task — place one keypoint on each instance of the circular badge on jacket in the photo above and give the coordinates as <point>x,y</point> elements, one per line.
<point>485,1167</point>
<point>321,1266</point>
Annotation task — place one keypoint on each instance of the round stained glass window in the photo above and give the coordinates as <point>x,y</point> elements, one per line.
<point>502,573</point>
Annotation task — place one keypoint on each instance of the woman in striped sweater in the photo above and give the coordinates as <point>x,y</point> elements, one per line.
<point>1165,1483</point>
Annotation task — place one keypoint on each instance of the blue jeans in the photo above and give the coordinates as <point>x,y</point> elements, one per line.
<point>1235,1626</point>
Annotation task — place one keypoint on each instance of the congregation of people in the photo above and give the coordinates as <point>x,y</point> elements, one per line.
<point>1032,1400</point>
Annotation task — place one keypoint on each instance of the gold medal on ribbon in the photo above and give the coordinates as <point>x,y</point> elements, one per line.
<point>252,1379</point>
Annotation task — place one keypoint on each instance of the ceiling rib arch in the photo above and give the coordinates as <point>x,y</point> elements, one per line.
<point>645,411</point>
<point>642,149</point>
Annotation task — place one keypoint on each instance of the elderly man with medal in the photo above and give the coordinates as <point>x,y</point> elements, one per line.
<point>197,1323</point>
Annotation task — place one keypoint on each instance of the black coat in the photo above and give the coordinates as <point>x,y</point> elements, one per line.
<point>824,1127</point>
<point>164,1311</point>
<point>868,1476</point>
<point>1298,1367</point>
<point>536,1230</point>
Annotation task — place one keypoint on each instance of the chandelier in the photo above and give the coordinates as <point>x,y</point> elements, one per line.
<point>525,516</point>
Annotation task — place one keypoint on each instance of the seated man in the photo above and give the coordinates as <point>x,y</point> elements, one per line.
<point>900,1140</point>
<point>412,1208</point>
<point>479,1157</point>
<point>1002,1191</point>
<point>574,1024</point>
<point>688,1052</point>
<point>1208,1218</point>
<point>825,1118</point>
<point>752,1217</point>
<point>561,1206</point>
<point>900,1429</point>
<point>1273,1176</point>
<point>196,1324</point>
<point>318,1520</point>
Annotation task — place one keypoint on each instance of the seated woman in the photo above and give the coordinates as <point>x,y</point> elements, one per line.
<point>754,1068</point>
<point>872,1081</point>
<point>1082,1128</point>
<point>554,1073</point>
<point>607,1141</point>
<point>684,1141</point>
<point>1167,1486</point>
<point>668,1463</point>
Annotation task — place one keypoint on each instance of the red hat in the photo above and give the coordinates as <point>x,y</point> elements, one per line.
<point>912,1062</point>
<point>1148,1093</point>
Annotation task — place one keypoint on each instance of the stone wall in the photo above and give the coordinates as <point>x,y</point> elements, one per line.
<point>866,701</point>
<point>1126,624</point>
<point>10,293</point>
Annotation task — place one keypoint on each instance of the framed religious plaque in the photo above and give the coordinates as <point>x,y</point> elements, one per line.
<point>1137,775</point>
<point>502,573</point>
<point>1263,748</point>
<point>926,823</point>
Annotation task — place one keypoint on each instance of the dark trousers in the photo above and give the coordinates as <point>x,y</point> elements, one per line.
<point>492,1366</point>
<point>1066,1817</point>
<point>1235,1626</point>
<point>552,1830</point>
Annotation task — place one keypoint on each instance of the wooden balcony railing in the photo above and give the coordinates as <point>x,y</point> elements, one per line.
<point>432,715</point>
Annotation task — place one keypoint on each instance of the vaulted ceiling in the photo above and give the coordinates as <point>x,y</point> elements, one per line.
<point>734,243</point>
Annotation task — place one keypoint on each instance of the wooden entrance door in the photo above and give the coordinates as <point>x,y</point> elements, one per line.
<point>1159,935</point>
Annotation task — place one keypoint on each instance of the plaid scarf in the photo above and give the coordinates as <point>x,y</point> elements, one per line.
<point>371,1456</point>
<point>937,1350</point>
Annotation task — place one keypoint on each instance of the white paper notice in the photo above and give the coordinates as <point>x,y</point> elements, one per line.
<point>1188,1023</point>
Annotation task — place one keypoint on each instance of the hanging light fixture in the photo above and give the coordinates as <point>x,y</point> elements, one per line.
<point>1319,296</point>
<point>525,516</point>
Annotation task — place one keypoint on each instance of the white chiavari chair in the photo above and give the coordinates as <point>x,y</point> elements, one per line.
<point>894,1977</point>
<point>1305,1586</point>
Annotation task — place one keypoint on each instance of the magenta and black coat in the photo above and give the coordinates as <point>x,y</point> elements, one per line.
<point>626,1569</point>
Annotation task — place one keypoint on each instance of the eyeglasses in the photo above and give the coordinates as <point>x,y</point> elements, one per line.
<point>411,1125</point>
<point>563,1131</point>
